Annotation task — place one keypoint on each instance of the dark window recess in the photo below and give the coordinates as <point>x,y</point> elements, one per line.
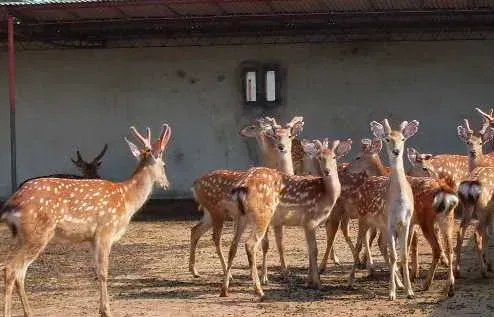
<point>261,84</point>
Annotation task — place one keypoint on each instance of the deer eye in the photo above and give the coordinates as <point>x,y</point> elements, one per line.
<point>334,157</point>
<point>357,158</point>
<point>403,139</point>
<point>387,140</point>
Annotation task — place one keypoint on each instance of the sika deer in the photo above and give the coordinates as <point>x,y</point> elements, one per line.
<point>476,194</point>
<point>97,211</point>
<point>474,142</point>
<point>89,169</point>
<point>266,196</point>
<point>399,202</point>
<point>209,190</point>
<point>368,161</point>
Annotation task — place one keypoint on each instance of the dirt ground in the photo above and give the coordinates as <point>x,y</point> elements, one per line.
<point>149,277</point>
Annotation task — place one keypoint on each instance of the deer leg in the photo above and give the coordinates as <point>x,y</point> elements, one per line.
<point>404,255</point>
<point>430,235</point>
<point>344,227</point>
<point>443,259</point>
<point>467,216</point>
<point>278,234</point>
<point>370,260</point>
<point>265,249</point>
<point>332,225</point>
<point>195,234</point>
<point>217,229</point>
<point>251,247</point>
<point>447,226</point>
<point>102,247</point>
<point>366,256</point>
<point>351,277</point>
<point>413,242</point>
<point>239,229</point>
<point>392,266</point>
<point>480,239</point>
<point>313,280</point>
<point>16,268</point>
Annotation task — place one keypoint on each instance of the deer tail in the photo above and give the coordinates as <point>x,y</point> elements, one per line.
<point>445,200</point>
<point>469,192</point>
<point>239,194</point>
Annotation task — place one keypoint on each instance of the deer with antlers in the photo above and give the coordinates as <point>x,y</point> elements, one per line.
<point>88,169</point>
<point>476,194</point>
<point>266,196</point>
<point>209,190</point>
<point>474,141</point>
<point>489,117</point>
<point>433,199</point>
<point>93,210</point>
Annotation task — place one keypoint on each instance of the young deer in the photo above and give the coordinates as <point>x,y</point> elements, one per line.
<point>89,169</point>
<point>476,194</point>
<point>209,190</point>
<point>399,197</point>
<point>266,196</point>
<point>368,161</point>
<point>93,210</point>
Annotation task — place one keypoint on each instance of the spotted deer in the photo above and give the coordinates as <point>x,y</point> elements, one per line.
<point>476,194</point>
<point>490,118</point>
<point>266,196</point>
<point>93,210</point>
<point>88,169</point>
<point>399,203</point>
<point>209,190</point>
<point>474,141</point>
<point>367,161</point>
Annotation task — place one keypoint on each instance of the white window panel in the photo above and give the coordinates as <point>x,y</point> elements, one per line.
<point>251,88</point>
<point>270,85</point>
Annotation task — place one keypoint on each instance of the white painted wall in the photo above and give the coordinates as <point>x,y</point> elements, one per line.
<point>85,98</point>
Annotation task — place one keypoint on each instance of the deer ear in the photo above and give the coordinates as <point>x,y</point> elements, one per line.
<point>410,129</point>
<point>297,125</point>
<point>412,155</point>
<point>426,156</point>
<point>378,130</point>
<point>462,133</point>
<point>376,146</point>
<point>133,149</point>
<point>249,131</point>
<point>309,147</point>
<point>343,148</point>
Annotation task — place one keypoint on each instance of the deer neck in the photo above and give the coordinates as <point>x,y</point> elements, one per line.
<point>397,174</point>
<point>332,187</point>
<point>137,189</point>
<point>376,166</point>
<point>473,162</point>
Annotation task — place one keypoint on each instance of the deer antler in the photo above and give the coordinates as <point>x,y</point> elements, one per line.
<point>467,126</point>
<point>145,141</point>
<point>387,127</point>
<point>488,116</point>
<point>100,156</point>
<point>294,121</point>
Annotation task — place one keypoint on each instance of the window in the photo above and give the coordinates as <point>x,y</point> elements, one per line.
<point>261,84</point>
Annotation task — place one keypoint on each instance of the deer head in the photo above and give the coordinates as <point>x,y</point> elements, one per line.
<point>367,159</point>
<point>394,139</point>
<point>475,140</point>
<point>275,140</point>
<point>90,169</point>
<point>421,163</point>
<point>150,155</point>
<point>326,154</point>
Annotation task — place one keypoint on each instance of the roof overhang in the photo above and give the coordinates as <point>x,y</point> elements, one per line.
<point>89,23</point>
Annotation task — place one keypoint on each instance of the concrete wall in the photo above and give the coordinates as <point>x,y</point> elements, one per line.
<point>85,98</point>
